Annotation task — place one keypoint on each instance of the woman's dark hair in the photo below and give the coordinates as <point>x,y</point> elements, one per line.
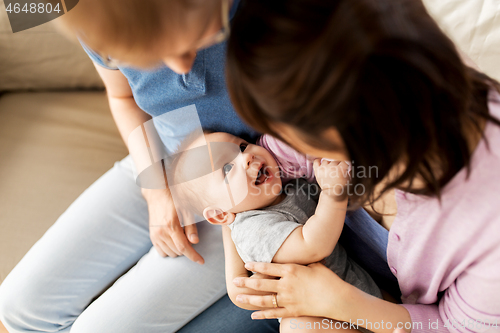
<point>380,72</point>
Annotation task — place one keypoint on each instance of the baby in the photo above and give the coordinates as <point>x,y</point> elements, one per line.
<point>269,221</point>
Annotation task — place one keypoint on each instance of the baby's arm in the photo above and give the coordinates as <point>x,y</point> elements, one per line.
<point>235,267</point>
<point>317,238</point>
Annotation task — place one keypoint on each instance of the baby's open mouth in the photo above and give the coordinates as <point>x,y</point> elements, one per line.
<point>263,175</point>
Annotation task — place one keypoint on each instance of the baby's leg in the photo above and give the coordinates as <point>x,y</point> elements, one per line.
<point>314,324</point>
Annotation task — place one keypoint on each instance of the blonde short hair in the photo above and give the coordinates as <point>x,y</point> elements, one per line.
<point>133,31</point>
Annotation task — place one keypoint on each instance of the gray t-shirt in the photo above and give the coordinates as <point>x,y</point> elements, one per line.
<point>258,234</point>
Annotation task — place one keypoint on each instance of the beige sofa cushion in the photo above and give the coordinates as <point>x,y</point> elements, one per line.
<point>474,25</point>
<point>52,147</point>
<point>41,58</point>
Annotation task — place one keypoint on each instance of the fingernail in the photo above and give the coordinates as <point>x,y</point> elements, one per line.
<point>193,238</point>
<point>239,299</point>
<point>237,282</point>
<point>200,262</point>
<point>249,266</point>
<point>256,315</point>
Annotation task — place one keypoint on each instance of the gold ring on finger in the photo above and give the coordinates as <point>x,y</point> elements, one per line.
<point>275,300</point>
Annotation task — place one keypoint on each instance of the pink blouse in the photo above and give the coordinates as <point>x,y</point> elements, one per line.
<point>446,255</point>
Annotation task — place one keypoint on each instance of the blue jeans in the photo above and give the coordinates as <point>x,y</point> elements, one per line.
<point>225,317</point>
<point>95,270</point>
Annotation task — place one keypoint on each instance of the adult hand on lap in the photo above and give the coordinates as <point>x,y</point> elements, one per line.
<point>167,235</point>
<point>312,290</point>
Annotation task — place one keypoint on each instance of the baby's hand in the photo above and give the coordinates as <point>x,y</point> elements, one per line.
<point>332,176</point>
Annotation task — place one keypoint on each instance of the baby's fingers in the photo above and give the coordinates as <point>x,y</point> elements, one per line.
<point>316,162</point>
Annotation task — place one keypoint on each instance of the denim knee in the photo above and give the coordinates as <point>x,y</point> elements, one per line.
<point>109,322</point>
<point>24,309</point>
<point>14,308</point>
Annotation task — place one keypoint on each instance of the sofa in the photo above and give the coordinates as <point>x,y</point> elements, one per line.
<point>57,135</point>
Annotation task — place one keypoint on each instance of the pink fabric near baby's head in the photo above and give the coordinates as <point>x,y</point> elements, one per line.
<point>292,164</point>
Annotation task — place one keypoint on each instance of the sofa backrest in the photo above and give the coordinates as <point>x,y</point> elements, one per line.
<point>40,58</point>
<point>474,26</point>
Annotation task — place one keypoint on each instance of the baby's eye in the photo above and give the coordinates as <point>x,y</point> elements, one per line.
<point>243,146</point>
<point>227,168</point>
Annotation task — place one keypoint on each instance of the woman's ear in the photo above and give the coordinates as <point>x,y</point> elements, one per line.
<point>217,216</point>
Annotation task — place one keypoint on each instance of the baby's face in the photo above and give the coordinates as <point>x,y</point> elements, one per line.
<point>250,181</point>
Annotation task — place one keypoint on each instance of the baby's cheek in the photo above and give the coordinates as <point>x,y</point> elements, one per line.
<point>253,200</point>
<point>275,189</point>
<point>254,191</point>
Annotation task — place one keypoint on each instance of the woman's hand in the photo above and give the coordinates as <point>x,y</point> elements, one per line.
<point>316,291</point>
<point>311,290</point>
<point>167,235</point>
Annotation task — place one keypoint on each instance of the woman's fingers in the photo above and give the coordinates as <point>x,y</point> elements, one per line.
<point>261,276</point>
<point>162,237</point>
<point>164,245</point>
<point>270,285</point>
<point>159,250</point>
<point>191,232</point>
<point>180,241</point>
<point>267,268</point>
<point>169,246</point>
<point>166,232</point>
<point>184,246</point>
<point>165,250</point>
<point>262,301</point>
<point>271,314</point>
